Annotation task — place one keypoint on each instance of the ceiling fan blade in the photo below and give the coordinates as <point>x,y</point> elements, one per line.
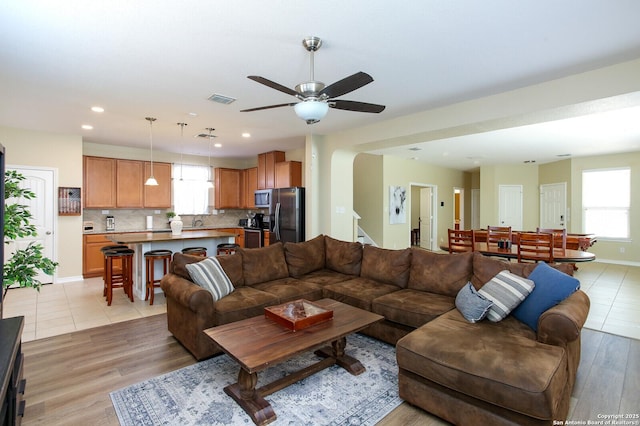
<point>355,106</point>
<point>347,84</point>
<point>267,107</point>
<point>273,85</point>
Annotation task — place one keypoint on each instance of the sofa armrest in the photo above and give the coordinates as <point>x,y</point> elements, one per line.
<point>563,323</point>
<point>188,294</point>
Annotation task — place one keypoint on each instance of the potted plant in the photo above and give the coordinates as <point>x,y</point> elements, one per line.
<point>170,216</point>
<point>25,264</point>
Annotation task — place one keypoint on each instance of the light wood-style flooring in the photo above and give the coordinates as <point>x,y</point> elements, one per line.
<point>69,376</point>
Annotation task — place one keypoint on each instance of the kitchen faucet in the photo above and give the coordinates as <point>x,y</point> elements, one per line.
<point>196,222</point>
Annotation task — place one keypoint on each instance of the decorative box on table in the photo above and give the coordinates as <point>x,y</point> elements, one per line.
<point>298,314</point>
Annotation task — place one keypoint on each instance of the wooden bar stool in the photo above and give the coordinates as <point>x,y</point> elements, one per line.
<point>150,258</point>
<point>195,251</point>
<point>124,279</point>
<point>104,266</point>
<point>227,248</point>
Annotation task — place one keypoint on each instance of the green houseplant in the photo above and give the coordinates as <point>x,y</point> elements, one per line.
<point>25,264</point>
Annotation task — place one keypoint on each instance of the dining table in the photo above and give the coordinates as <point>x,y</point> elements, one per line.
<point>560,255</point>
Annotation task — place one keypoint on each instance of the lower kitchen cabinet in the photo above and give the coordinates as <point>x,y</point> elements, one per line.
<point>239,233</point>
<point>92,257</point>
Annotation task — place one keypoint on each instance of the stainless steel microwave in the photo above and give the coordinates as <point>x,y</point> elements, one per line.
<point>262,198</point>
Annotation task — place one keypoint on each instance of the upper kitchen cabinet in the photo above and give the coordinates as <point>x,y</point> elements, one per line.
<point>129,183</point>
<point>250,186</point>
<point>228,188</point>
<point>99,175</point>
<point>288,174</point>
<point>158,196</point>
<point>267,168</point>
<point>119,183</point>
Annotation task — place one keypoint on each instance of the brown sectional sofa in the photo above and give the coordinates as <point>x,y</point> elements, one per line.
<point>466,373</point>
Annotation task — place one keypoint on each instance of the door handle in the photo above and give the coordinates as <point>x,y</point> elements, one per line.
<point>48,232</point>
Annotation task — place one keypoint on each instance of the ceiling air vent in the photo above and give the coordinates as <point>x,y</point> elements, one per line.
<point>205,135</point>
<point>221,99</point>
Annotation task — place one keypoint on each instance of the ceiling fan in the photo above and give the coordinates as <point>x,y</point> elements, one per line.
<point>316,98</point>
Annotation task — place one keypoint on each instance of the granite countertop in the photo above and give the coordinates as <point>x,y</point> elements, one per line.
<point>147,237</point>
<point>158,230</point>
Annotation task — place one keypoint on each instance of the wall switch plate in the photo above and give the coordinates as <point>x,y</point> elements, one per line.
<point>105,211</point>
<point>156,212</point>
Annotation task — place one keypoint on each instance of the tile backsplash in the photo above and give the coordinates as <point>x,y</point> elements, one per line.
<point>128,220</point>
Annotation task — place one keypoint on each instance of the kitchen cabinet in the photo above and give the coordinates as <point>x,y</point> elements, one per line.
<point>129,182</point>
<point>267,168</point>
<point>239,233</point>
<point>119,183</point>
<point>99,182</point>
<point>228,188</point>
<point>158,196</point>
<point>288,174</point>
<point>92,257</point>
<point>250,186</point>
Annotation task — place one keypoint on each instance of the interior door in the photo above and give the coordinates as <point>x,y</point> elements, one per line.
<point>426,217</point>
<point>510,206</point>
<point>42,209</point>
<point>553,206</point>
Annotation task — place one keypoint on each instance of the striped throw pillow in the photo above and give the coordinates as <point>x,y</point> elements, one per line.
<point>506,291</point>
<point>209,275</point>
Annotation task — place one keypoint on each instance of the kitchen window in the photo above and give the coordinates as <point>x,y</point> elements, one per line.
<point>606,201</point>
<point>190,189</point>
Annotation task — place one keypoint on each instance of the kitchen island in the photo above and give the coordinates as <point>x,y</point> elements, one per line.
<point>142,242</point>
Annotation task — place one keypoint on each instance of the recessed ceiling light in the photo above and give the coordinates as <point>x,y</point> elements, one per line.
<point>193,114</point>
<point>87,127</point>
<point>97,109</point>
<point>246,135</point>
<point>218,145</point>
<point>529,161</point>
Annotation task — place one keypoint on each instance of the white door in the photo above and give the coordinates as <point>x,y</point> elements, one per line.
<point>42,208</point>
<point>426,217</point>
<point>475,209</point>
<point>510,206</point>
<point>553,205</point>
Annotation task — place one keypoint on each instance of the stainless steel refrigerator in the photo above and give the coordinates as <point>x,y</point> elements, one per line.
<point>287,215</point>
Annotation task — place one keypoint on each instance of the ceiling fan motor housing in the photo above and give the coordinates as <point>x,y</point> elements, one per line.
<point>310,89</point>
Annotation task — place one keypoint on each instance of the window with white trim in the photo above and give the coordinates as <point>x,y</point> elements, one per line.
<point>191,189</point>
<point>606,200</point>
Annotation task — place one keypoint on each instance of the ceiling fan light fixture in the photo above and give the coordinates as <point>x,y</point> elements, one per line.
<point>311,110</point>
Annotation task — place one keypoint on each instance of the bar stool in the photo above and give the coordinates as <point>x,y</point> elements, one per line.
<point>150,258</point>
<point>104,266</point>
<point>124,279</point>
<point>227,248</point>
<point>195,251</point>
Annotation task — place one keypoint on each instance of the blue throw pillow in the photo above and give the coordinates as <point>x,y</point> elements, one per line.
<point>552,287</point>
<point>473,306</point>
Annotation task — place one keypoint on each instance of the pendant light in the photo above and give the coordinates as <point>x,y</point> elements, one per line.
<point>210,181</point>
<point>152,180</point>
<point>181,146</point>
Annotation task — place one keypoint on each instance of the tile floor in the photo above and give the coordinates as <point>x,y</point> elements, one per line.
<point>62,308</point>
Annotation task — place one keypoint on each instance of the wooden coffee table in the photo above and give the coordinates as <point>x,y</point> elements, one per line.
<point>257,343</point>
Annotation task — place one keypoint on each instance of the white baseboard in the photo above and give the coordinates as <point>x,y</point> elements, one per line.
<point>617,262</point>
<point>67,279</point>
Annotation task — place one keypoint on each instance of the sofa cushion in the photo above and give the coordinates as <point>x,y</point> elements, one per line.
<point>263,264</point>
<point>500,363</point>
<point>244,302</point>
<point>440,273</point>
<point>386,266</point>
<point>209,275</point>
<point>358,292</point>
<point>305,257</point>
<point>232,266</point>
<point>412,308</point>
<point>343,256</point>
<point>551,288</point>
<point>288,289</point>
<point>473,306</point>
<point>325,276</point>
<point>506,290</point>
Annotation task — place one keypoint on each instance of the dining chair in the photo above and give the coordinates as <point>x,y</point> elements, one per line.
<point>498,233</point>
<point>535,247</point>
<point>461,241</point>
<point>559,236</point>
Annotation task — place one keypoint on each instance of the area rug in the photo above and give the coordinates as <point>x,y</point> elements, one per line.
<point>194,395</point>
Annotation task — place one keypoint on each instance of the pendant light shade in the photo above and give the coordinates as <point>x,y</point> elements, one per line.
<point>311,111</point>
<point>151,181</point>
